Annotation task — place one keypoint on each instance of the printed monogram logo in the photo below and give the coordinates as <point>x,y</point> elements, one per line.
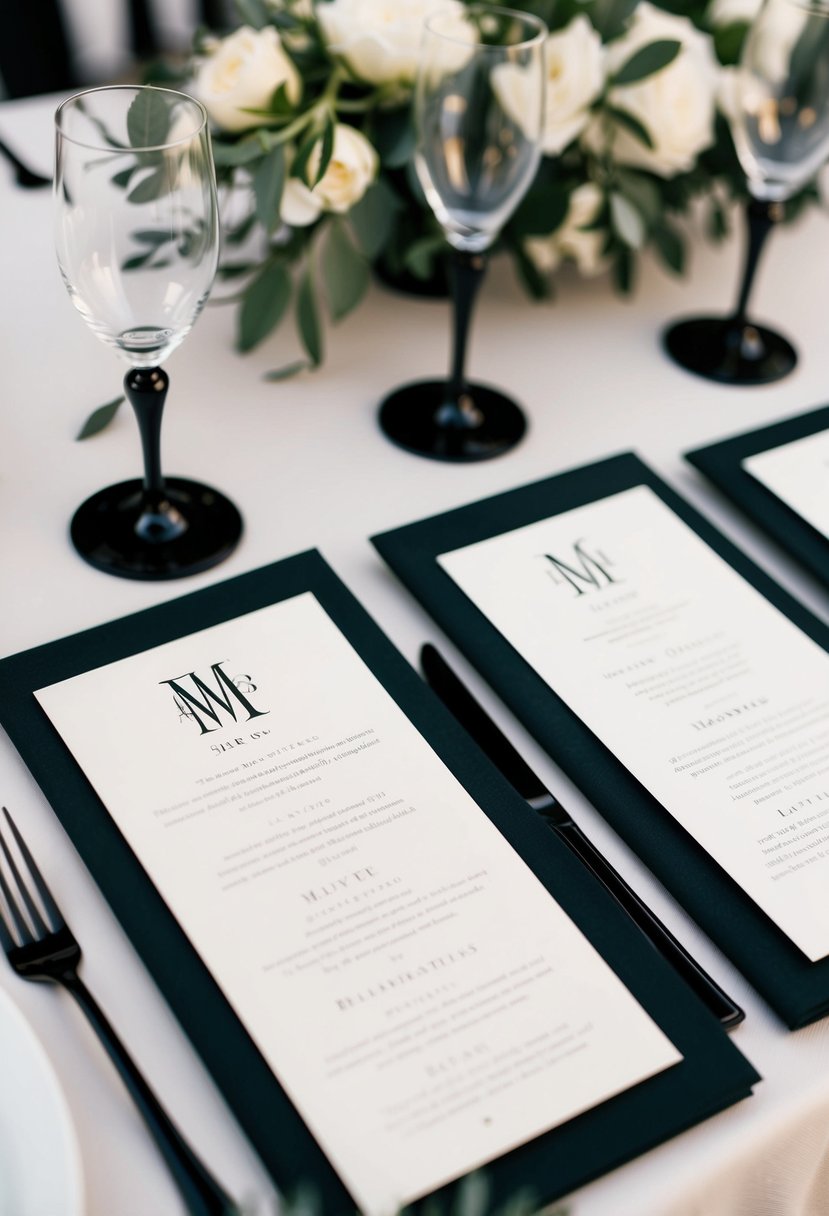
<point>202,704</point>
<point>584,572</point>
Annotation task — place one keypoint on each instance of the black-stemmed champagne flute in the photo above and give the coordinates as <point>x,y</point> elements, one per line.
<point>479,102</point>
<point>137,238</point>
<point>780,125</point>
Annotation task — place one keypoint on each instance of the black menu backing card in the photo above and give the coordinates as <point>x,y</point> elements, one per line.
<point>393,970</point>
<point>779,475</point>
<point>680,687</point>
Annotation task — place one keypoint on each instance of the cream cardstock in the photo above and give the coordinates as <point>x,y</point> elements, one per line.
<point>798,473</point>
<point>421,997</point>
<point>711,697</point>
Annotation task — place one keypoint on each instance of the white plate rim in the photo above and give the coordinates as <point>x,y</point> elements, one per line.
<point>55,1128</point>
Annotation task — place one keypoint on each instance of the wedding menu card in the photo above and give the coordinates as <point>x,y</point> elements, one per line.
<point>779,475</point>
<point>711,697</point>
<point>391,967</point>
<point>422,998</point>
<point>798,473</point>
<point>678,685</point>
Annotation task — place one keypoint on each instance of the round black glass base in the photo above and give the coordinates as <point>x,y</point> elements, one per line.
<point>417,417</point>
<point>719,349</point>
<point>103,531</point>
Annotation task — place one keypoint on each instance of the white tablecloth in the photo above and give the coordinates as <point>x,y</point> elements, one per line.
<point>308,466</point>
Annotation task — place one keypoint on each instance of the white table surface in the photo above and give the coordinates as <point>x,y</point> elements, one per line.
<point>308,466</point>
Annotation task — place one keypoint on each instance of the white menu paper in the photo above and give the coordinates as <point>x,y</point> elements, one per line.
<point>798,473</point>
<point>712,698</point>
<point>419,994</point>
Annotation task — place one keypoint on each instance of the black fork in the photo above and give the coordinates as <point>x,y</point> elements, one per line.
<point>40,946</point>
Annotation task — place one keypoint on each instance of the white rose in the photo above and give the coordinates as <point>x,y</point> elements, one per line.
<point>380,40</point>
<point>574,238</point>
<point>351,170</point>
<point>676,105</point>
<point>243,73</point>
<point>575,77</point>
<point>731,12</point>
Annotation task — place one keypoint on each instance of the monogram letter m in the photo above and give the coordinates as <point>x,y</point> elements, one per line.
<point>226,696</point>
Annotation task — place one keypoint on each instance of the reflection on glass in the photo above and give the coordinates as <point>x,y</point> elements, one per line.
<point>780,123</point>
<point>136,230</point>
<point>479,103</point>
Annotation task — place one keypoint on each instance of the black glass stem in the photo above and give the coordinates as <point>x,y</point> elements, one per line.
<point>157,528</point>
<point>734,349</point>
<point>455,419</point>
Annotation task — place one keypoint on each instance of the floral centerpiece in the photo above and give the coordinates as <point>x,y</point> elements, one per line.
<point>311,105</point>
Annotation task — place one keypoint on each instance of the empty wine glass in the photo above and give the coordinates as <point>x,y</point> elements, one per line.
<point>781,133</point>
<point>137,244</point>
<point>479,101</point>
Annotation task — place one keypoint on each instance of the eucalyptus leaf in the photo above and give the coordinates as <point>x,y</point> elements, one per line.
<point>99,419</point>
<point>148,119</point>
<point>647,61</point>
<point>263,304</point>
<point>139,260</point>
<point>243,152</point>
<point>308,319</point>
<point>122,178</point>
<point>268,184</point>
<point>326,149</point>
<point>394,137</point>
<point>345,271</point>
<point>542,211</point>
<point>372,218</point>
<point>627,221</point>
<point>253,12</point>
<point>631,123</point>
<point>670,246</point>
<point>152,236</point>
<point>287,372</point>
<point>151,186</point>
<point>642,192</point>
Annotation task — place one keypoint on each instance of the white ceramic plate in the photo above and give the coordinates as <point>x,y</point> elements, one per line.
<point>40,1165</point>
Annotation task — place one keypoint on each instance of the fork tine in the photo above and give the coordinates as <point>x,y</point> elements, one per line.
<point>17,916</point>
<point>52,910</point>
<point>6,939</point>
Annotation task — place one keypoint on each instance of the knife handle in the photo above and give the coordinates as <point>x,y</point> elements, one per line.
<point>707,989</point>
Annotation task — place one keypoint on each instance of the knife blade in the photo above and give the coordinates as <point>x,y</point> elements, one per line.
<point>490,738</point>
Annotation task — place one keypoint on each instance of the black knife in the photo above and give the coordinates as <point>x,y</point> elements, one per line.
<point>459,700</point>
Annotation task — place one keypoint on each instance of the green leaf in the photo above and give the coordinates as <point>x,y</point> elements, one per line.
<point>263,305</point>
<point>534,282</point>
<point>326,148</point>
<point>148,119</point>
<point>139,260</point>
<point>299,165</point>
<point>253,12</point>
<point>627,221</point>
<point>642,192</point>
<point>152,236</point>
<point>632,124</point>
<point>647,61</point>
<point>623,271</point>
<point>394,137</point>
<point>152,186</point>
<point>542,211</point>
<point>268,183</point>
<point>99,419</point>
<point>670,246</point>
<point>718,227</point>
<point>420,257</point>
<point>240,153</point>
<point>345,271</point>
<point>308,319</point>
<point>287,372</point>
<point>122,179</point>
<point>372,218</point>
